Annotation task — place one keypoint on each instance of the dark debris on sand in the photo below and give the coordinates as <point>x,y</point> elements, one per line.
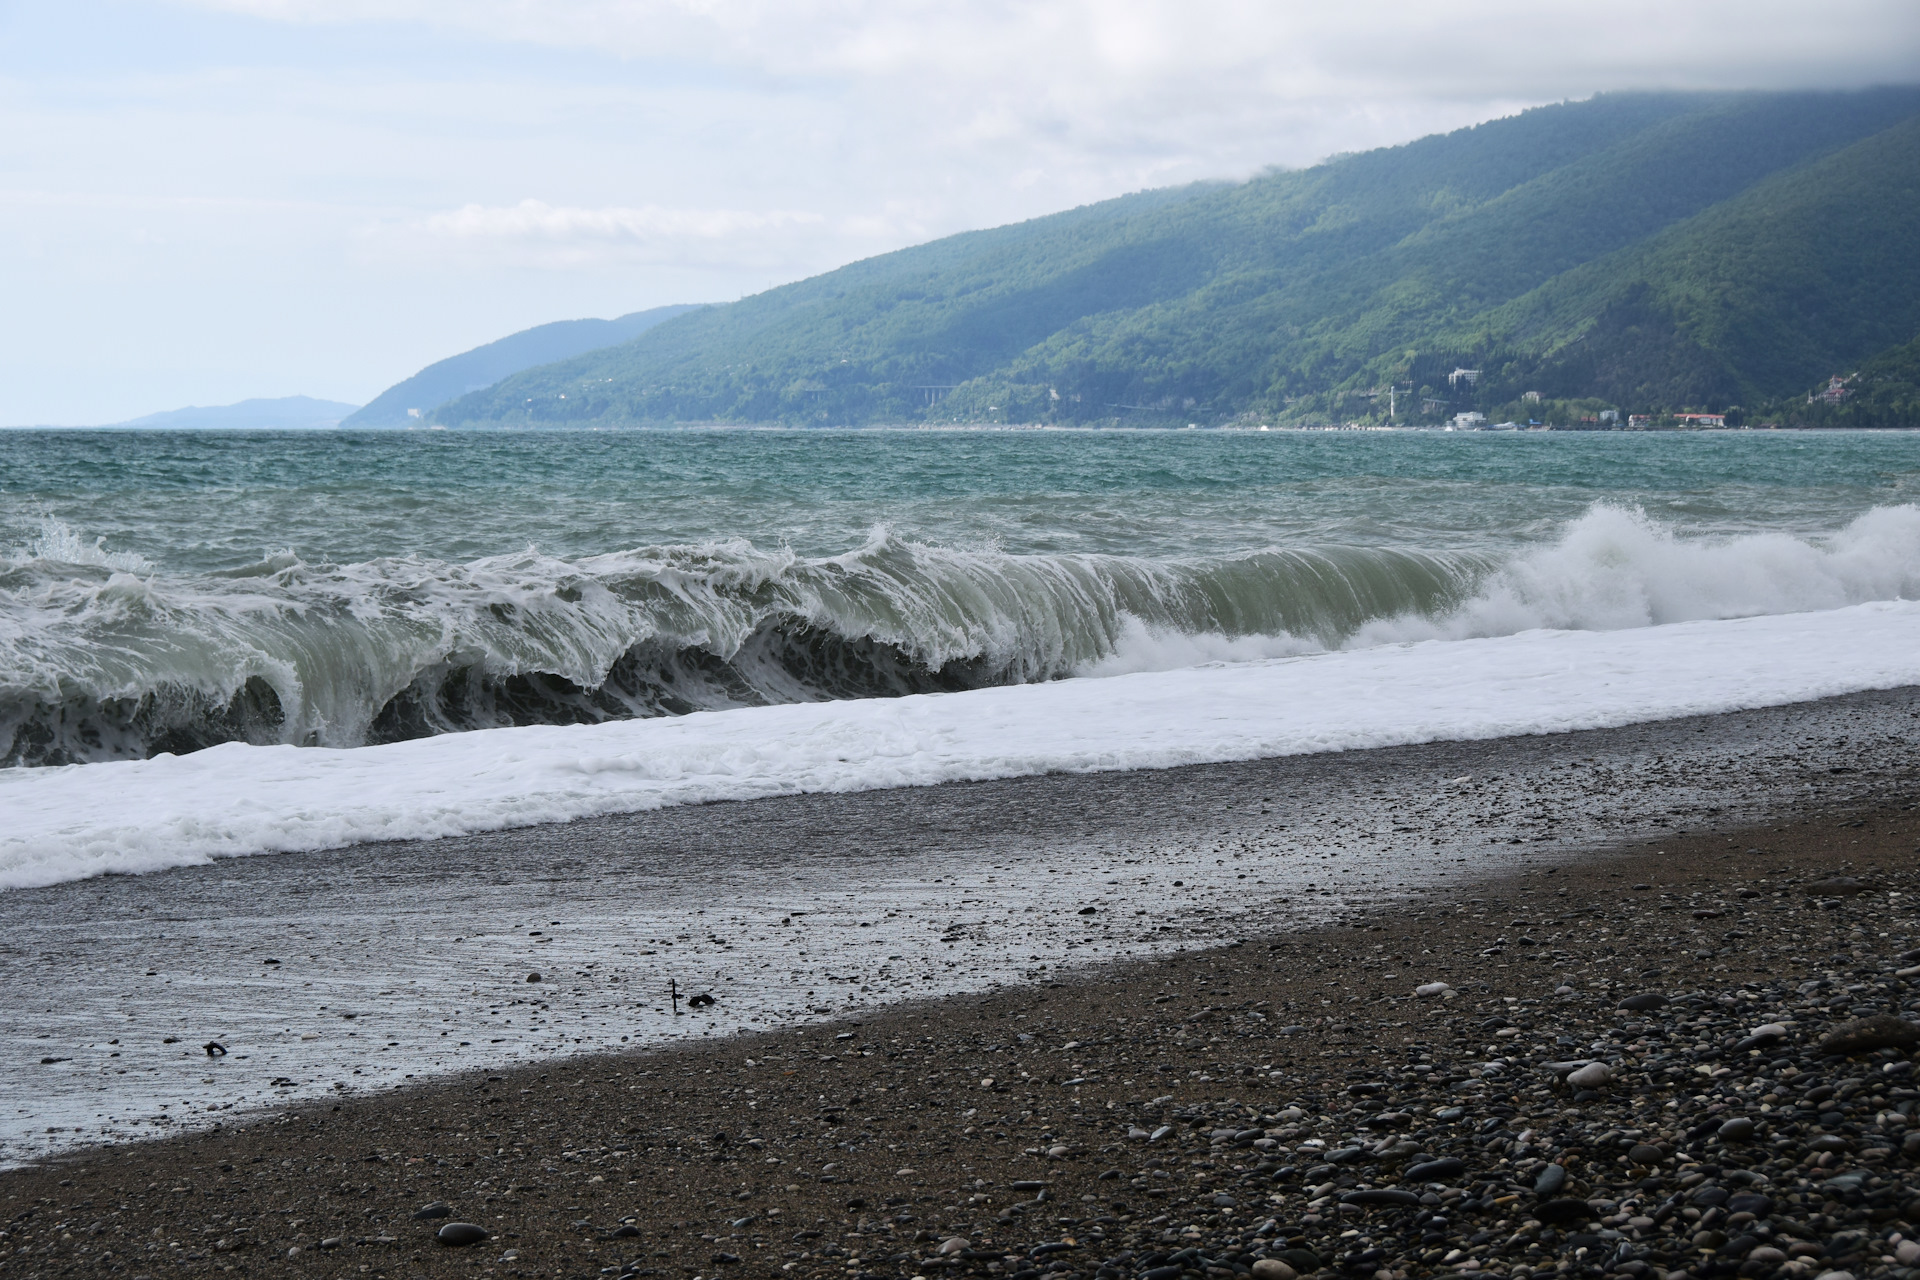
<point>1277,1107</point>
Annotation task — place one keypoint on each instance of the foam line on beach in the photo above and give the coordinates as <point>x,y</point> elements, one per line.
<point>140,816</point>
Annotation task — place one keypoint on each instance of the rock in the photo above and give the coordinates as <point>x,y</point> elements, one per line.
<point>1556,1212</point>
<point>700,1001</point>
<point>1829,1142</point>
<point>1750,1202</point>
<point>459,1234</point>
<point>1862,1035</point>
<point>1305,1261</point>
<point>1837,887</point>
<point>1437,1170</point>
<point>1646,1153</point>
<point>1272,1269</point>
<point>533,977</point>
<point>438,1209</point>
<point>952,1245</point>
<point>1767,1255</point>
<point>1432,988</point>
<point>1382,1197</point>
<point>1738,1129</point>
<point>1644,1002</point>
<point>1551,1180</point>
<point>1907,1252</point>
<point>627,1232</point>
<point>1225,1201</point>
<point>1594,1075</point>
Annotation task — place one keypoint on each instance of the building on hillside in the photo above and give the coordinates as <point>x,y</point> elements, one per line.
<point>1530,397</point>
<point>1469,376</point>
<point>1835,392</point>
<point>1701,419</point>
<point>1639,421</point>
<point>1468,421</point>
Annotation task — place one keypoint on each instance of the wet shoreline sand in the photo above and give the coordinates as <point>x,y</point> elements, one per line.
<point>554,1157</point>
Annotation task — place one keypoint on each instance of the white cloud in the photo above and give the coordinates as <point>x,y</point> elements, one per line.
<point>564,235</point>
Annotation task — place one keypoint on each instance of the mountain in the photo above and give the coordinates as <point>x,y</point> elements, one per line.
<point>283,414</point>
<point>1646,252</point>
<point>484,366</point>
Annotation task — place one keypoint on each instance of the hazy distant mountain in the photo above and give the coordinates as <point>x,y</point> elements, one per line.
<point>483,366</point>
<point>1645,251</point>
<point>285,413</point>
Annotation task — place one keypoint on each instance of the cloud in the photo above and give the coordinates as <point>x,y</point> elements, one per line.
<point>536,231</point>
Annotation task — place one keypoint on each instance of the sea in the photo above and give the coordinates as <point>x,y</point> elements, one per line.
<point>323,745</point>
<point>163,593</point>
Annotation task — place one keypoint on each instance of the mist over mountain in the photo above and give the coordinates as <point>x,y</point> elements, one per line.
<point>408,401</point>
<point>283,413</point>
<point>1649,252</point>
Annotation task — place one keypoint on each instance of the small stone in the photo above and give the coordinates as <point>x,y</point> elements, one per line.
<point>627,1232</point>
<point>1644,1002</point>
<point>459,1234</point>
<point>1592,1076</point>
<point>952,1245</point>
<point>1738,1129</point>
<point>1388,1196</point>
<point>1907,1252</point>
<point>1862,1035</point>
<point>1058,1152</point>
<point>1225,1201</point>
<point>1750,1202</point>
<point>1646,1153</point>
<point>1272,1269</point>
<point>1829,1142</point>
<point>1551,1180</point>
<point>438,1209</point>
<point>1432,988</point>
<point>533,977</point>
<point>1767,1255</point>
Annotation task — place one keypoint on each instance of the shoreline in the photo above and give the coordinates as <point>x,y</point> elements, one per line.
<point>1024,1117</point>
<point>352,971</point>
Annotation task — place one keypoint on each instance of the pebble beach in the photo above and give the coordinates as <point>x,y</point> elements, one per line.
<point>1686,1054</point>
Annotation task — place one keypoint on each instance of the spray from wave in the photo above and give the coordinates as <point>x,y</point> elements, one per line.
<point>103,656</point>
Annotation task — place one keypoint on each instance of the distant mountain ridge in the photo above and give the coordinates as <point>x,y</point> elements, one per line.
<point>1647,251</point>
<point>284,413</point>
<point>485,365</point>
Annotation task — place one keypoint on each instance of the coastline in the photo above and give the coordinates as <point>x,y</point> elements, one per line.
<point>854,1147</point>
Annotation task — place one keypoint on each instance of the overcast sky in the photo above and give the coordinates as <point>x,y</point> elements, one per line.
<point>205,200</point>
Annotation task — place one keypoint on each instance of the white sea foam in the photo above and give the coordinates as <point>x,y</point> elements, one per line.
<point>77,821</point>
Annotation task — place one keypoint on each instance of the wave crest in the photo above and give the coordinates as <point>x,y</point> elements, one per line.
<point>102,656</point>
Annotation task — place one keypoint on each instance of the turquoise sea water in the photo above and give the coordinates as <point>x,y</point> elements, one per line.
<point>167,590</point>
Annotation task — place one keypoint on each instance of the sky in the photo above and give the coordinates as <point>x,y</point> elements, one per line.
<point>208,200</point>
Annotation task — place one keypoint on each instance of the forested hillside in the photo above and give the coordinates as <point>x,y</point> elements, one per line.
<point>1649,252</point>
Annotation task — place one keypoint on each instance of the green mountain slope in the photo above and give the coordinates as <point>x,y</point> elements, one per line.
<point>1696,242</point>
<point>407,401</point>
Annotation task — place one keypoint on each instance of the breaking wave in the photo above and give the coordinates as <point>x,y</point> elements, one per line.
<point>106,656</point>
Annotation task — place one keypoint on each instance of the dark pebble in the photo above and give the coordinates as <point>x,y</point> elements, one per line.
<point>1646,1153</point>
<point>1551,1180</point>
<point>1437,1170</point>
<point>1738,1129</point>
<point>437,1209</point>
<point>1643,1002</point>
<point>457,1234</point>
<point>1378,1197</point>
<point>1559,1211</point>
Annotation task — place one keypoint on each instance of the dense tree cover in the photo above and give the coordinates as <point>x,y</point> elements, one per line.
<point>1883,392</point>
<point>1651,251</point>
